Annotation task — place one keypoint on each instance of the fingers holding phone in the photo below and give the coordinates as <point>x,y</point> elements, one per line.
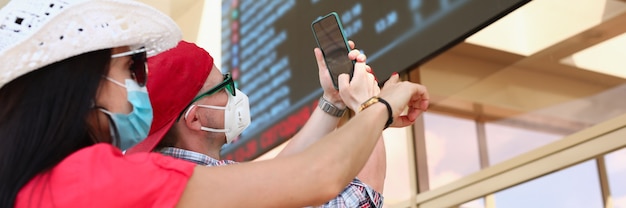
<point>330,93</point>
<point>362,86</point>
<point>324,74</point>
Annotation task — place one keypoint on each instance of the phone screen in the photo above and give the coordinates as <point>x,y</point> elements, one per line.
<point>329,36</point>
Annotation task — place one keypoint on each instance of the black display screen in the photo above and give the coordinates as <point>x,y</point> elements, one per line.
<point>267,45</point>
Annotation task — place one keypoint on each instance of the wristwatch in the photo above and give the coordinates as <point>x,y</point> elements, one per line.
<point>330,108</point>
<point>368,102</point>
<point>376,99</point>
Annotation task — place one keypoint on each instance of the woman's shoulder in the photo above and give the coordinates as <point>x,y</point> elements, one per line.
<point>105,160</point>
<point>101,173</point>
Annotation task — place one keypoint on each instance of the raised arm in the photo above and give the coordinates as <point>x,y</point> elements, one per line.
<point>321,123</point>
<point>314,175</point>
<point>375,170</point>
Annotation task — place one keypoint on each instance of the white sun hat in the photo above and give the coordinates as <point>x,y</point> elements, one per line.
<point>36,33</point>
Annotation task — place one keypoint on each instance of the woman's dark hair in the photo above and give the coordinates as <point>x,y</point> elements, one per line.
<point>43,118</point>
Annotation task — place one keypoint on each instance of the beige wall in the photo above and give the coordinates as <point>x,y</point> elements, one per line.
<point>199,20</point>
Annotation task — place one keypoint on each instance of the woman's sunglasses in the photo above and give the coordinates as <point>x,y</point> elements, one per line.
<point>228,84</point>
<point>138,67</point>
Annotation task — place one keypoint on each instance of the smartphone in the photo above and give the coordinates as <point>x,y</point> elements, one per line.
<point>331,39</point>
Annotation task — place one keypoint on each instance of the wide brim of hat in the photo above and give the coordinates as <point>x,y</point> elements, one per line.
<point>77,28</point>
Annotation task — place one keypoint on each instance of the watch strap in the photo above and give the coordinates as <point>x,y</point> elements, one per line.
<point>329,108</point>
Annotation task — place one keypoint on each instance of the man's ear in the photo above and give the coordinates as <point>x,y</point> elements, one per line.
<point>192,120</point>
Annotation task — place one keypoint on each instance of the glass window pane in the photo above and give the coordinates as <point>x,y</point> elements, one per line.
<point>478,203</point>
<point>576,186</point>
<point>451,148</point>
<point>505,142</point>
<point>616,171</point>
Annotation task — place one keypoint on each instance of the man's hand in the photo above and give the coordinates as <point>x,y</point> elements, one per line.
<point>330,93</point>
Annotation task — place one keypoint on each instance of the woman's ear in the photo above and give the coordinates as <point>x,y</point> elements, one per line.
<point>192,120</point>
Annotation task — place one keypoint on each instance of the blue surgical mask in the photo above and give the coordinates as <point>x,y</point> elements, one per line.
<point>134,127</point>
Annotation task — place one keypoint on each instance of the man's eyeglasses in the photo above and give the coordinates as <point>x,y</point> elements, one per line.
<point>228,84</point>
<point>138,67</point>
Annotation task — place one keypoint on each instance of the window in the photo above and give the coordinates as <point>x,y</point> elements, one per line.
<point>451,148</point>
<point>616,171</point>
<point>505,142</point>
<point>576,186</point>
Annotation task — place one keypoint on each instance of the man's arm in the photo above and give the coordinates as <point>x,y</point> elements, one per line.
<point>375,170</point>
<point>321,123</point>
<point>314,175</point>
<point>368,190</point>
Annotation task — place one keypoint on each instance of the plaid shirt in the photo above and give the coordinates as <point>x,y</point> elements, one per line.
<point>356,194</point>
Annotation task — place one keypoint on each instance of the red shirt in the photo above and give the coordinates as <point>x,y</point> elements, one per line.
<point>101,176</point>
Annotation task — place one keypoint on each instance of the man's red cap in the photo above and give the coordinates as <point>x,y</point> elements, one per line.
<point>175,77</point>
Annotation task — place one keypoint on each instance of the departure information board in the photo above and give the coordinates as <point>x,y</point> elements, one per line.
<point>267,46</point>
